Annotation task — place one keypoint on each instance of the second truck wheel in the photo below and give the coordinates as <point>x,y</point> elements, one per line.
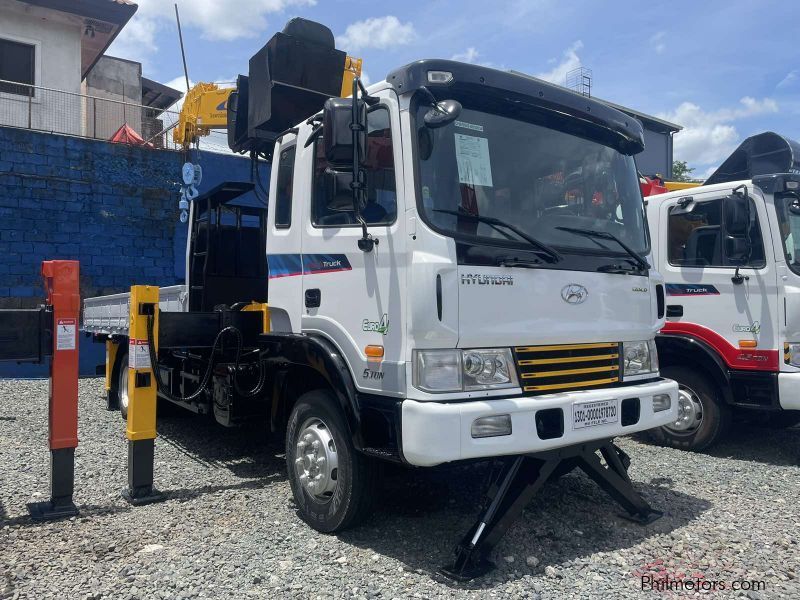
<point>703,418</point>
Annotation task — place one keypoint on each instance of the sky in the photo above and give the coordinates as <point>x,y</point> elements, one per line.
<point>723,70</point>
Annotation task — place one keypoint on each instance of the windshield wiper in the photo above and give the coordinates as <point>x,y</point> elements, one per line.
<point>505,261</point>
<point>552,254</point>
<point>604,235</point>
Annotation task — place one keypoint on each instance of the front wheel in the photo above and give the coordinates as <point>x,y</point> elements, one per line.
<point>703,417</point>
<point>332,483</point>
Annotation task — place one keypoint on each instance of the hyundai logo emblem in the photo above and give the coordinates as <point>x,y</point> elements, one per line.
<point>574,294</point>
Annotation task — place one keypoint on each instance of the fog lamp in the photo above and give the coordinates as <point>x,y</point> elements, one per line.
<point>493,426</point>
<point>661,402</point>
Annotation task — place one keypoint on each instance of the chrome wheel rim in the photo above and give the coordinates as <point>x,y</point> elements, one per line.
<point>690,412</point>
<point>316,462</point>
<point>123,390</point>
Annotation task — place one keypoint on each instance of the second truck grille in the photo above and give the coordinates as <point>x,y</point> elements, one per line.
<point>565,367</point>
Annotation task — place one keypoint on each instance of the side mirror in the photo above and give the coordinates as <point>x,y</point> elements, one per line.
<point>737,215</point>
<point>338,190</point>
<point>442,113</point>
<point>794,207</point>
<point>738,249</point>
<point>337,119</point>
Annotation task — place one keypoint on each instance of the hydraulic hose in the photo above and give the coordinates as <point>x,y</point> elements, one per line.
<point>167,393</point>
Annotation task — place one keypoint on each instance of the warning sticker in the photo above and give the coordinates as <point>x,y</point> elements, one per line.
<point>65,334</point>
<point>474,164</point>
<point>138,354</point>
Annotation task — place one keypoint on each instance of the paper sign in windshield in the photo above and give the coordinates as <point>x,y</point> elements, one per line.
<point>474,164</point>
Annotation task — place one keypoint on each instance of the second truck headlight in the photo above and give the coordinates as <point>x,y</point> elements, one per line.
<point>639,358</point>
<point>793,355</point>
<point>464,370</point>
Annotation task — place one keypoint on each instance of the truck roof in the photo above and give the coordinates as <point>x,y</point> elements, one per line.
<point>622,131</point>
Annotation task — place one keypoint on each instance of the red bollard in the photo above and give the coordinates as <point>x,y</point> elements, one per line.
<point>61,281</point>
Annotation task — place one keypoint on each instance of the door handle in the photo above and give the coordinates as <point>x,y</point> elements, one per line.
<point>674,310</point>
<point>313,298</point>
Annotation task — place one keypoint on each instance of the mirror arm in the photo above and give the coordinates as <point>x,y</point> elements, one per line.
<point>367,242</point>
<point>312,137</point>
<point>738,278</point>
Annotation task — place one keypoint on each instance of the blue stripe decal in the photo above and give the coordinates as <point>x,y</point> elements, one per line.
<point>680,289</point>
<point>290,265</point>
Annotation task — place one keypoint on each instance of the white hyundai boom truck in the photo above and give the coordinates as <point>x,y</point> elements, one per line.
<point>730,253</point>
<point>455,267</point>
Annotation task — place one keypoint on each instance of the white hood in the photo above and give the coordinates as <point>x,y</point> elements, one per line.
<point>501,306</point>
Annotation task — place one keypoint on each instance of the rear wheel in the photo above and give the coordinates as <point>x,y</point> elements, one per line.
<point>122,385</point>
<point>703,417</point>
<point>331,482</point>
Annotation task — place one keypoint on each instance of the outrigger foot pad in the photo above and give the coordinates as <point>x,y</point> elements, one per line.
<point>516,480</point>
<point>142,497</point>
<point>52,510</point>
<point>642,519</point>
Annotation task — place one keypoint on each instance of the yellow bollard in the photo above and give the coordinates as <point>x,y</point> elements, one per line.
<point>141,428</point>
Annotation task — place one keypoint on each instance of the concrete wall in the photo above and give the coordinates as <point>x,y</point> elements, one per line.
<point>112,207</point>
<point>58,66</point>
<point>113,79</point>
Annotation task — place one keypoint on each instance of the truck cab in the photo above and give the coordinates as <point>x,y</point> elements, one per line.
<point>728,253</point>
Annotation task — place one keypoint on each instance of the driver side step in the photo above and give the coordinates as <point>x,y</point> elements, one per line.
<point>515,480</point>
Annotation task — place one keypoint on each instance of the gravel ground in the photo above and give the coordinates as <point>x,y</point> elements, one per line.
<point>229,529</point>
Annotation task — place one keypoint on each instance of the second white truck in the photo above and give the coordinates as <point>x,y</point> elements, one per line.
<point>730,253</point>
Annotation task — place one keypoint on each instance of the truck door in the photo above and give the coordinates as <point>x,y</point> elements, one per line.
<point>704,299</point>
<point>355,298</point>
<point>285,218</point>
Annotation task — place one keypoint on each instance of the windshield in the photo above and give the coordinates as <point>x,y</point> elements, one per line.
<point>788,208</point>
<point>536,178</point>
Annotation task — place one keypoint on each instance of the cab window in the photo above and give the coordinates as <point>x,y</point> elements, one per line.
<point>697,238</point>
<point>381,202</point>
<point>283,193</point>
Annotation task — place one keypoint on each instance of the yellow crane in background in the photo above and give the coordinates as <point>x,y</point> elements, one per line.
<point>205,107</point>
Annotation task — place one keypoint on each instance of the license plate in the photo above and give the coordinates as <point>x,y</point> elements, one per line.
<point>591,414</point>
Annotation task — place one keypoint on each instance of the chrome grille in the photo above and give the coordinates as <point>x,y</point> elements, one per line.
<point>566,367</point>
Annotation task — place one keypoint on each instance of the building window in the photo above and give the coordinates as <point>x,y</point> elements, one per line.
<point>17,63</point>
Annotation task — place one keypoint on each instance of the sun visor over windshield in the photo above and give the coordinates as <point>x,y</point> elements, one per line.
<point>570,112</point>
<point>763,154</point>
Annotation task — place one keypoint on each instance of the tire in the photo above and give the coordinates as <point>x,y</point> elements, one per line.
<point>343,494</point>
<point>120,383</point>
<point>700,395</point>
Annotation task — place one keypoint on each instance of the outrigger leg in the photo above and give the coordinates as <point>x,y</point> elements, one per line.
<point>516,480</point>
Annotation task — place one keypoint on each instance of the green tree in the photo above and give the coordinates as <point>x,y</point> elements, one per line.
<point>681,171</point>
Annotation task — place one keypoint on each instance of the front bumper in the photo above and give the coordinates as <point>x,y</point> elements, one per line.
<point>437,432</point>
<point>789,390</point>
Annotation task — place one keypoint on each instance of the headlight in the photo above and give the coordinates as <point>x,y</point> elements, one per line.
<point>639,358</point>
<point>792,355</point>
<point>464,370</point>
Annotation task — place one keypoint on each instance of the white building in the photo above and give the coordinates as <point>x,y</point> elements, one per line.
<point>53,45</point>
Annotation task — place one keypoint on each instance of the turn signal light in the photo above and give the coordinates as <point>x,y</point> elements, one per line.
<point>748,344</point>
<point>374,352</point>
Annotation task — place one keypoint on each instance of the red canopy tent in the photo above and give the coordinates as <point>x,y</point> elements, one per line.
<point>127,135</point>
